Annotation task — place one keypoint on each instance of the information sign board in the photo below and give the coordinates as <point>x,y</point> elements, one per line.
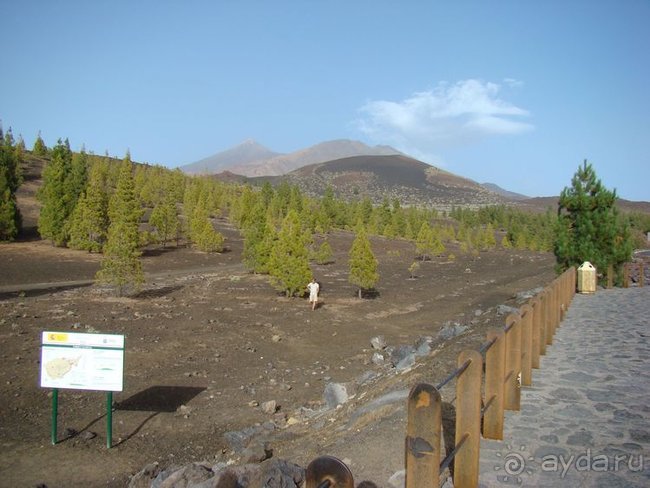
<point>82,361</point>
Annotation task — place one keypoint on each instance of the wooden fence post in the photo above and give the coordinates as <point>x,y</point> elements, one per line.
<point>468,420</point>
<point>526,345</point>
<point>550,330</point>
<point>495,366</point>
<point>535,330</point>
<point>610,276</point>
<point>543,319</point>
<point>423,428</point>
<point>557,305</point>
<point>512,378</point>
<point>626,275</point>
<point>641,274</point>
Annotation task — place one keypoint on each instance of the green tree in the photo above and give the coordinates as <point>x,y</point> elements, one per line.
<point>121,265</point>
<point>324,254</point>
<point>428,242</point>
<point>414,268</point>
<point>203,234</point>
<point>39,148</point>
<point>362,263</point>
<point>10,179</point>
<point>89,220</point>
<point>164,219</point>
<point>588,226</point>
<point>89,223</point>
<point>289,261</point>
<point>53,195</point>
<point>259,236</point>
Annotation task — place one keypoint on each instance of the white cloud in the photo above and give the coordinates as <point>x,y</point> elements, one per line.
<point>447,116</point>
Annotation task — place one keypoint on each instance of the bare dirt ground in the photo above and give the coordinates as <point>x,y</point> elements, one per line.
<point>207,343</point>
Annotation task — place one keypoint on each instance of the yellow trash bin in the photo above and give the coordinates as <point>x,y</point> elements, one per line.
<point>586,278</point>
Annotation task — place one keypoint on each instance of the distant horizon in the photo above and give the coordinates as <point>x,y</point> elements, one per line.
<point>515,93</point>
<point>116,156</point>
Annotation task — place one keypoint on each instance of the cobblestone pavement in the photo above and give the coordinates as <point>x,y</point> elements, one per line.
<point>585,421</point>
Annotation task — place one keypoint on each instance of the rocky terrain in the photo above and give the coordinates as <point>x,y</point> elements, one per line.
<point>222,370</point>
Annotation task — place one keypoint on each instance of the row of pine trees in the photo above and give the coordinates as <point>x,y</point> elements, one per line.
<point>101,204</point>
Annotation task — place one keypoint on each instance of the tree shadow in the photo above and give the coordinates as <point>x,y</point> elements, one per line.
<point>28,234</point>
<point>370,294</point>
<point>158,251</point>
<point>46,289</point>
<point>156,292</point>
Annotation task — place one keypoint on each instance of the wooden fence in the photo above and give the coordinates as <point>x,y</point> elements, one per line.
<point>627,271</point>
<point>628,268</point>
<point>511,353</point>
<point>508,358</point>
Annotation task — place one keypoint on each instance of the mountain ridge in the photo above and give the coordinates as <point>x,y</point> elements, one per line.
<point>378,177</point>
<point>264,162</point>
<point>248,152</point>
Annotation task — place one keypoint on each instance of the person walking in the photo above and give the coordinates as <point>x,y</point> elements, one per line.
<point>313,288</point>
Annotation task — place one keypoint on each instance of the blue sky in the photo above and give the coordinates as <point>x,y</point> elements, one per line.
<point>512,92</point>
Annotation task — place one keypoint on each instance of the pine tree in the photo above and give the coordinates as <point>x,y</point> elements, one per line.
<point>121,265</point>
<point>490,240</point>
<point>89,220</point>
<point>164,219</point>
<point>324,253</point>
<point>256,239</point>
<point>289,261</point>
<point>39,148</point>
<point>76,179</point>
<point>588,226</point>
<point>10,179</point>
<point>203,234</point>
<point>428,242</point>
<point>413,269</point>
<point>362,263</point>
<point>55,201</point>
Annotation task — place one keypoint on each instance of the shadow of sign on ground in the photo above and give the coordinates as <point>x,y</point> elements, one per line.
<point>160,398</point>
<point>157,399</point>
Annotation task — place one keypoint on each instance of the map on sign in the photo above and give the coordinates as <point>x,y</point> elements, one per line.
<point>82,361</point>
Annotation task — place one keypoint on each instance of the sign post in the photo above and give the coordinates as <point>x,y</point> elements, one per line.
<point>55,413</point>
<point>83,362</point>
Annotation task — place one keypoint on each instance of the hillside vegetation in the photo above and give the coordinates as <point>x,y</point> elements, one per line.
<point>78,193</point>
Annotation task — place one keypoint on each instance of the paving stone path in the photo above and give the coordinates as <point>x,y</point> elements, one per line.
<point>585,421</point>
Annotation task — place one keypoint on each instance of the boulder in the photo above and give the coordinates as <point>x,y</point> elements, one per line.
<point>378,343</point>
<point>335,394</point>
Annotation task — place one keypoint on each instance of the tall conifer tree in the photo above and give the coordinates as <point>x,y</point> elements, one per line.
<point>121,265</point>
<point>362,263</point>
<point>164,218</point>
<point>39,148</point>
<point>53,195</point>
<point>289,260</point>
<point>588,226</point>
<point>89,220</point>
<point>10,179</point>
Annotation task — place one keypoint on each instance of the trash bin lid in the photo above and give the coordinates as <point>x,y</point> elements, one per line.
<point>586,265</point>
